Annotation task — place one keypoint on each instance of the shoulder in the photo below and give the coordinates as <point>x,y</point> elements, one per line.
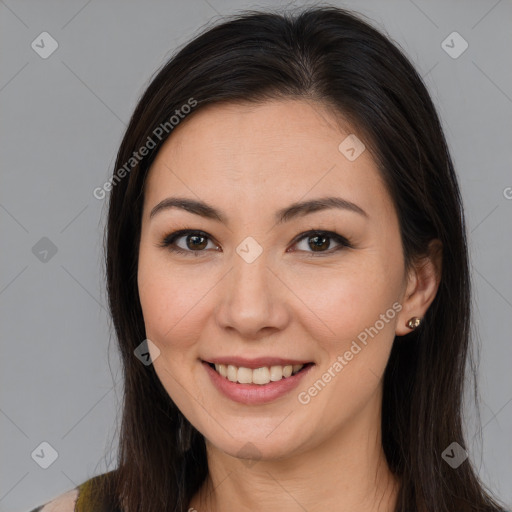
<point>93,495</point>
<point>63,503</point>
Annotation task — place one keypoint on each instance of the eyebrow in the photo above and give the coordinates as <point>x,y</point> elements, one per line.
<point>284,215</point>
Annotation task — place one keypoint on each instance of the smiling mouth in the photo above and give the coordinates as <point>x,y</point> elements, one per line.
<point>260,376</point>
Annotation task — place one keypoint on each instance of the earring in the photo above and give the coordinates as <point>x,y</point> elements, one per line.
<point>413,322</point>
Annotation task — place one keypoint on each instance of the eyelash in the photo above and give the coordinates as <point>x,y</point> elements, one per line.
<point>169,240</point>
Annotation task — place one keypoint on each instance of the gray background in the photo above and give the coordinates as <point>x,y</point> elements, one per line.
<point>62,120</point>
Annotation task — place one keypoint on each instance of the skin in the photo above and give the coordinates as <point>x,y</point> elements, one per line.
<point>250,160</point>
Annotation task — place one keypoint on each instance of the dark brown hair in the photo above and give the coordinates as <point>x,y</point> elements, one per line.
<point>332,56</point>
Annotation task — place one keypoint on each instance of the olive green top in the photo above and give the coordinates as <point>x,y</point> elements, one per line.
<point>84,501</point>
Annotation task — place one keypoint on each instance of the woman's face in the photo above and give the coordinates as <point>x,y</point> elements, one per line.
<point>253,289</point>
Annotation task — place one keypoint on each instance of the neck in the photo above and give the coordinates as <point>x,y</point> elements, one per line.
<point>346,472</point>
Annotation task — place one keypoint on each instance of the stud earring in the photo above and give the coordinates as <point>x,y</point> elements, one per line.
<point>413,322</point>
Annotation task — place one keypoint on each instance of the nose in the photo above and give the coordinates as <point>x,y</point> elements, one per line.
<point>252,299</point>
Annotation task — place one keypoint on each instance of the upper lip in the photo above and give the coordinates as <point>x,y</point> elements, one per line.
<point>257,362</point>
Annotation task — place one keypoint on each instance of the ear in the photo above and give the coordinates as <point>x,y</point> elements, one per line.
<point>422,285</point>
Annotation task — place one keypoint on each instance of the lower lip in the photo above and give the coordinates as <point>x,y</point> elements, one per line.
<point>254,394</point>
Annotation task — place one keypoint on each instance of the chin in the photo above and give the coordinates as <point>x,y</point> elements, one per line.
<point>257,445</point>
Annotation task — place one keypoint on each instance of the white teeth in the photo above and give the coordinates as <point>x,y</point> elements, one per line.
<point>244,375</point>
<point>276,373</point>
<point>232,373</point>
<point>221,368</point>
<point>261,376</point>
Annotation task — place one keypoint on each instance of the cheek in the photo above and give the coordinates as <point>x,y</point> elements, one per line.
<point>358,305</point>
<point>172,300</point>
<point>171,307</point>
<point>350,298</point>
<point>360,311</point>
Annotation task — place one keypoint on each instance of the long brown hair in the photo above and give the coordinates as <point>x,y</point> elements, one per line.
<point>333,56</point>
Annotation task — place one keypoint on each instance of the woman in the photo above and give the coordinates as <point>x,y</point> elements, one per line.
<point>287,272</point>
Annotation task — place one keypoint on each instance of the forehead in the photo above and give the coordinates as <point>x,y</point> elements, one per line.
<point>278,151</point>
<point>274,132</point>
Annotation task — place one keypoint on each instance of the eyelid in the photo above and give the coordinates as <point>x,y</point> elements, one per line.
<point>328,233</point>
<point>170,239</point>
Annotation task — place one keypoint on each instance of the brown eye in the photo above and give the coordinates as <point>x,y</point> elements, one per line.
<point>196,242</point>
<point>321,241</point>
